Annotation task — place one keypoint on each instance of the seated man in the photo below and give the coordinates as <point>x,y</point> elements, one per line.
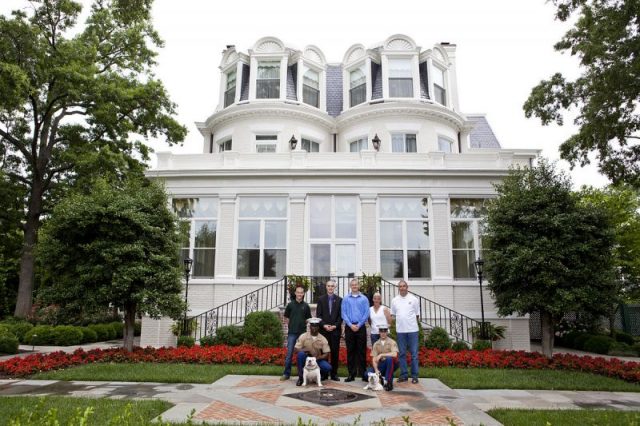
<point>384,357</point>
<point>312,343</point>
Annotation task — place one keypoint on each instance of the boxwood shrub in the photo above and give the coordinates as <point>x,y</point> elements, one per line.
<point>102,331</point>
<point>187,341</point>
<point>459,345</point>
<point>481,345</point>
<point>438,339</point>
<point>231,335</point>
<point>88,335</point>
<point>623,337</point>
<point>599,344</point>
<point>579,341</point>
<point>40,335</point>
<point>19,328</point>
<point>263,329</point>
<point>118,327</point>
<point>9,343</point>
<point>67,335</point>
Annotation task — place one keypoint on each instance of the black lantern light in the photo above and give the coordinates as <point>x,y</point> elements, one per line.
<point>293,142</point>
<point>479,264</point>
<point>188,262</point>
<point>376,142</point>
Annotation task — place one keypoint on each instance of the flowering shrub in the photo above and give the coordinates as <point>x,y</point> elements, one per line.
<point>222,354</point>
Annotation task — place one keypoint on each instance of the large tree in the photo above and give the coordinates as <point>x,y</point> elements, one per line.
<point>605,97</point>
<point>71,94</point>
<point>548,252</point>
<point>115,247</point>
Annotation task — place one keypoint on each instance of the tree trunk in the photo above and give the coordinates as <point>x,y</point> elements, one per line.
<point>547,333</point>
<point>129,325</point>
<point>24,301</point>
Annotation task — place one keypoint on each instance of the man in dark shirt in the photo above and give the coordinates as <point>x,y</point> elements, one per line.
<point>297,312</point>
<point>329,311</point>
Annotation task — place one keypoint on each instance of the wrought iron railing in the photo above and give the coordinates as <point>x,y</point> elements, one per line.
<point>276,295</point>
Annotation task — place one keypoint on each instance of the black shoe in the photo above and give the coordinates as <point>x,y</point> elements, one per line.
<point>414,380</point>
<point>388,386</point>
<point>349,379</point>
<point>299,382</point>
<point>402,379</point>
<point>382,381</point>
<point>335,378</point>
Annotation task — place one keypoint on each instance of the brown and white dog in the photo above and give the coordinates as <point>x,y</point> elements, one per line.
<point>311,371</point>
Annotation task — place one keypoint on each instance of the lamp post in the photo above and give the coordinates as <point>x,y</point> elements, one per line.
<point>376,142</point>
<point>479,264</point>
<point>188,262</point>
<point>293,142</point>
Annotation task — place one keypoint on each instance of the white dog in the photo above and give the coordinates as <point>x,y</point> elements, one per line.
<point>374,382</point>
<point>311,372</point>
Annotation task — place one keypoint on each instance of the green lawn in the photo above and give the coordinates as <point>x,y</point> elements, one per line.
<point>68,410</point>
<point>510,417</point>
<point>459,378</point>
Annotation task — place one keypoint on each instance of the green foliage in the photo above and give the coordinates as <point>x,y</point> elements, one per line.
<point>18,328</point>
<point>118,327</point>
<point>636,348</point>
<point>102,331</point>
<point>12,193</point>
<point>622,349</point>
<point>231,335</point>
<point>481,345</point>
<point>598,344</point>
<point>294,281</point>
<point>370,284</point>
<point>623,337</point>
<point>569,339</point>
<point>548,252</point>
<point>604,97</point>
<point>88,335</point>
<point>137,328</point>
<point>117,247</point>
<point>263,329</point>
<point>207,341</point>
<point>67,335</point>
<point>494,332</point>
<point>438,338</point>
<point>8,343</point>
<point>187,341</point>
<point>579,341</point>
<point>40,335</point>
<point>459,345</point>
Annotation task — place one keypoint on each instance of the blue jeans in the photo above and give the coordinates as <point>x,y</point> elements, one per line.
<point>411,340</point>
<point>386,368</point>
<point>374,338</point>
<point>325,367</point>
<point>291,343</point>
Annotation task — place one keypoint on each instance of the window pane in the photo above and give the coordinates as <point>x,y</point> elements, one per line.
<point>265,148</point>
<point>196,207</point>
<point>310,146</point>
<point>345,259</point>
<point>267,89</point>
<point>357,78</point>
<point>204,262</point>
<point>418,235</point>
<point>419,264</point>
<point>274,263</point>
<point>205,233</point>
<point>311,96</point>
<point>403,207</point>
<point>320,217</point>
<point>358,145</point>
<point>275,234</point>
<point>444,144</point>
<point>462,235</point>
<point>269,69</point>
<point>263,207</point>
<point>440,95</point>
<point>229,96</point>
<point>249,234</point>
<point>391,234</point>
<point>411,143</point>
<point>358,95</point>
<point>184,229</point>
<point>312,79</point>
<point>397,142</point>
<point>400,68</point>
<point>391,263</point>
<point>248,263</point>
<point>401,87</point>
<point>463,264</point>
<point>438,77</point>
<point>320,260</point>
<point>184,253</point>
<point>266,137</point>
<point>468,208</point>
<point>231,80</point>
<point>346,213</point>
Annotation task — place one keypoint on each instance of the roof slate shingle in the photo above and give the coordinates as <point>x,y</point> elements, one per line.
<point>334,90</point>
<point>482,135</point>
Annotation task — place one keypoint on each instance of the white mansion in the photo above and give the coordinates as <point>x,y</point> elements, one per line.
<point>330,169</point>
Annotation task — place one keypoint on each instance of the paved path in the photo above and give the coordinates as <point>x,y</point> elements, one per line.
<point>26,350</point>
<point>264,399</point>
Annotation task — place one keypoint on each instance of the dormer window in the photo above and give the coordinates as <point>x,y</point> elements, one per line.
<point>224,146</point>
<point>440,92</point>
<point>358,145</point>
<point>400,78</point>
<point>230,93</point>
<point>403,142</point>
<point>268,80</point>
<point>311,88</point>
<point>357,87</point>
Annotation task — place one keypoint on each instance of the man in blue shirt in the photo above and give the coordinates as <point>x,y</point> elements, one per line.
<point>355,312</point>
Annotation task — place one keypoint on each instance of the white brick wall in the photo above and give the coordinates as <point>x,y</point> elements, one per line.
<point>157,333</point>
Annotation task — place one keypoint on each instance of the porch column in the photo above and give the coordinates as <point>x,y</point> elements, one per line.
<point>225,236</point>
<point>296,251</point>
<point>369,232</point>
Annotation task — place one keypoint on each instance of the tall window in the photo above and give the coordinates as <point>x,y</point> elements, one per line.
<point>268,80</point>
<point>358,145</point>
<point>225,146</point>
<point>266,143</point>
<point>445,144</point>
<point>440,94</point>
<point>333,225</point>
<point>400,78</point>
<point>198,219</point>
<point>403,142</point>
<point>230,93</point>
<point>405,248</point>
<point>311,88</point>
<point>310,146</point>
<point>262,237</point>
<point>467,227</point>
<point>357,87</point>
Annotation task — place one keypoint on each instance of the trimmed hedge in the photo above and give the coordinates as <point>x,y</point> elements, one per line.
<point>481,345</point>
<point>599,344</point>
<point>231,335</point>
<point>187,341</point>
<point>623,337</point>
<point>103,331</point>
<point>88,335</point>
<point>19,328</point>
<point>459,345</point>
<point>40,335</point>
<point>67,335</point>
<point>263,329</point>
<point>118,327</point>
<point>438,339</point>
<point>8,343</point>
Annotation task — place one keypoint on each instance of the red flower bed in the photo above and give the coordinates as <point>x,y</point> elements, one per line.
<point>25,366</point>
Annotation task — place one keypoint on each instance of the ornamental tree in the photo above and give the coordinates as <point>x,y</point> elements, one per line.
<point>115,247</point>
<point>548,252</point>
<point>72,98</point>
<point>606,40</point>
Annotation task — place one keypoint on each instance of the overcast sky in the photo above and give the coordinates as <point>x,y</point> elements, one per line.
<point>504,48</point>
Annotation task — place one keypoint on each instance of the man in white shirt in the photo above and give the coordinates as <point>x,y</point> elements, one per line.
<point>405,308</point>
